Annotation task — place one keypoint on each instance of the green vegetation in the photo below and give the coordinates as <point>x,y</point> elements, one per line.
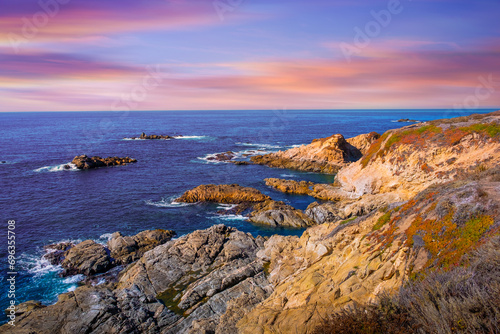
<point>348,220</point>
<point>463,300</point>
<point>384,219</point>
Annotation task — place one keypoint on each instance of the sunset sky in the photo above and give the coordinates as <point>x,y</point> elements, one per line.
<point>80,55</point>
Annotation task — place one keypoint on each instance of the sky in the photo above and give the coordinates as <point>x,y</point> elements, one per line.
<point>113,55</point>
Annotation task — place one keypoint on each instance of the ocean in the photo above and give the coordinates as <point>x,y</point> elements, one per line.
<point>51,204</point>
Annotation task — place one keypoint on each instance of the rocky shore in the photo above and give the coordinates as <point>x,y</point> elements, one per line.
<point>85,162</point>
<point>421,201</point>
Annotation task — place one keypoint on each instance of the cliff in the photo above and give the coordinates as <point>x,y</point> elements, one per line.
<point>325,155</point>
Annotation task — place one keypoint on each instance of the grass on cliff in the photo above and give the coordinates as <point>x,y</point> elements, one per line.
<point>421,136</point>
<point>461,300</point>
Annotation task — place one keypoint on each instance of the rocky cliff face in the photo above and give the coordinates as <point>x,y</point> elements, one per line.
<point>408,160</point>
<point>326,155</point>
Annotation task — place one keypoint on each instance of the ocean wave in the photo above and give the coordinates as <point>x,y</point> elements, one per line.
<point>168,203</point>
<point>37,265</point>
<point>106,236</point>
<point>265,146</point>
<point>192,137</point>
<point>73,279</point>
<point>228,217</point>
<point>57,168</point>
<point>238,156</point>
<point>226,207</point>
<point>288,175</point>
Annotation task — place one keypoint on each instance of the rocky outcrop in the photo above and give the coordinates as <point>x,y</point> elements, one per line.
<point>207,278</point>
<point>127,249</point>
<point>87,258</point>
<point>326,155</point>
<point>144,136</point>
<point>225,156</point>
<point>85,162</point>
<point>226,194</point>
<point>408,160</point>
<point>407,120</point>
<point>337,264</point>
<point>291,186</point>
<point>279,214</point>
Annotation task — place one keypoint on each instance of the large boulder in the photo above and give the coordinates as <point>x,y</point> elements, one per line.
<point>279,214</point>
<point>127,249</point>
<point>87,258</point>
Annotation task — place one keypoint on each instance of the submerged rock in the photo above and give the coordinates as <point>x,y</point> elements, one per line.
<point>225,156</point>
<point>85,162</point>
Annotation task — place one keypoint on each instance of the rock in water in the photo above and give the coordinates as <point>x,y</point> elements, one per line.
<point>225,193</point>
<point>144,136</point>
<point>87,258</point>
<point>279,214</point>
<point>125,249</point>
<point>85,162</point>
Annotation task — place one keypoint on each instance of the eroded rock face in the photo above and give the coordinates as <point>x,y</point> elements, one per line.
<point>87,258</point>
<point>206,278</point>
<point>326,155</point>
<point>85,162</point>
<point>405,161</point>
<point>226,194</point>
<point>127,249</point>
<point>279,214</point>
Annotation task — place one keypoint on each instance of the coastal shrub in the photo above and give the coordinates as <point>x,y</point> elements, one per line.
<point>462,300</point>
<point>384,219</point>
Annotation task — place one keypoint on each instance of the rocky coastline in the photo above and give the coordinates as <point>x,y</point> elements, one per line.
<point>410,204</point>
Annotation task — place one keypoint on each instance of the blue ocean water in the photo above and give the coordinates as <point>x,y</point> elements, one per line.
<point>51,204</point>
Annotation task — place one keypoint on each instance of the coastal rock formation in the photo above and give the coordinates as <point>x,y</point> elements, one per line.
<point>407,120</point>
<point>207,278</point>
<point>225,156</point>
<point>127,249</point>
<point>279,214</point>
<point>85,162</point>
<point>290,186</point>
<point>326,155</point>
<point>406,161</point>
<point>144,136</point>
<point>226,194</point>
<point>87,258</point>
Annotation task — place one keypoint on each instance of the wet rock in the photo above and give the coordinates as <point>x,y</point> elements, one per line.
<point>85,162</point>
<point>225,156</point>
<point>87,258</point>
<point>56,252</point>
<point>127,249</point>
<point>226,194</point>
<point>144,136</point>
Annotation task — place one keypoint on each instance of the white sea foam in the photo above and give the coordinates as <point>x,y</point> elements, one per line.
<point>288,175</point>
<point>106,236</point>
<point>264,146</point>
<point>58,168</point>
<point>168,203</point>
<point>192,137</point>
<point>73,279</point>
<point>238,156</point>
<point>37,266</point>
<point>226,207</point>
<point>228,217</point>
